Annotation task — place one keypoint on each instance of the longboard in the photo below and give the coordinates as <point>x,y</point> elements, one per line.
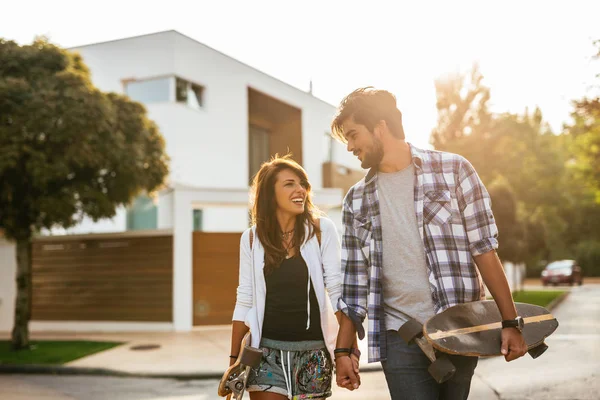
<point>233,382</point>
<point>474,329</point>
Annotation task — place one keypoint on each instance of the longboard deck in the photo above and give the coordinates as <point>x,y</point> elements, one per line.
<point>474,329</point>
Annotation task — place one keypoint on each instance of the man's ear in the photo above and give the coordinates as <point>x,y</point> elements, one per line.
<point>380,129</point>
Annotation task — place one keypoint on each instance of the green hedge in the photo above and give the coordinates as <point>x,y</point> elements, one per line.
<point>588,257</point>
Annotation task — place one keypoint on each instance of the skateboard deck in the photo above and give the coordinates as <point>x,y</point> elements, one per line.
<point>233,382</point>
<point>474,329</point>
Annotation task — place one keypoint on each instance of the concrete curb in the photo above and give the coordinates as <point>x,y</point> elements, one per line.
<point>556,302</point>
<point>64,370</point>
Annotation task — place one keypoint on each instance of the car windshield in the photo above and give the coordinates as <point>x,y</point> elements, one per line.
<point>560,264</point>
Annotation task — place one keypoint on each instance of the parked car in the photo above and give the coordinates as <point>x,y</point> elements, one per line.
<point>563,271</point>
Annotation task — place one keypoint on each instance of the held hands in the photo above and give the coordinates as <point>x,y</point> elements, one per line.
<point>346,371</point>
<point>513,344</point>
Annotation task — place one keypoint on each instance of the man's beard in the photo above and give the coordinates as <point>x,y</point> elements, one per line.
<point>373,157</point>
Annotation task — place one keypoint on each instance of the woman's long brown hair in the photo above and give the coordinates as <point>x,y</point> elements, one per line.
<point>264,205</point>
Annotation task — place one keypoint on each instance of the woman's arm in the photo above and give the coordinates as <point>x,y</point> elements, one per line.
<point>244,298</point>
<point>238,331</point>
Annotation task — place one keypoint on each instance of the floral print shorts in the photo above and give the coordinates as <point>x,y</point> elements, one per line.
<point>301,369</point>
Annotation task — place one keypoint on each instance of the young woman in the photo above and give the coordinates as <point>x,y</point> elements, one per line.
<point>288,259</point>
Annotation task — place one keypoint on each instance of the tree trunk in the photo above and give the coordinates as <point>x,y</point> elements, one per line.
<point>20,333</point>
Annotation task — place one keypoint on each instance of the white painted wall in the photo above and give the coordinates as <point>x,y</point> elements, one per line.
<point>515,275</point>
<point>229,219</point>
<point>8,286</point>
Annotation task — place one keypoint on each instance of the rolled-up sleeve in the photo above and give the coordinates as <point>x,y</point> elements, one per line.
<point>244,300</point>
<point>354,267</point>
<point>476,208</point>
<point>331,258</point>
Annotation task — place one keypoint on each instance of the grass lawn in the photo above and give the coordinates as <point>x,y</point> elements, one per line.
<point>538,297</point>
<point>51,352</point>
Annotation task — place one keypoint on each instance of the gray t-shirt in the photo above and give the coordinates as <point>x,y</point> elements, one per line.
<point>406,291</point>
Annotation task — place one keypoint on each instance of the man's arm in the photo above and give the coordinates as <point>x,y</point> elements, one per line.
<point>492,272</point>
<point>353,303</point>
<point>475,204</point>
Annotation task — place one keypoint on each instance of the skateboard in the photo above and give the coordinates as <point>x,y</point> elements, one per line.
<point>474,329</point>
<point>233,382</point>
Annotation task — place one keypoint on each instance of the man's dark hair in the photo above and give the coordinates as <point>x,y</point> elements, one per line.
<point>368,106</point>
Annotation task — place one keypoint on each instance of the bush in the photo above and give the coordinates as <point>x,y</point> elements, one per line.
<point>588,257</point>
<point>534,267</point>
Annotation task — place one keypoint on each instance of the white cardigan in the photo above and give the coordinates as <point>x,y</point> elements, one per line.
<point>324,268</point>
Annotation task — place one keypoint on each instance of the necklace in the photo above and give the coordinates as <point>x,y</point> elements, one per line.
<point>286,235</point>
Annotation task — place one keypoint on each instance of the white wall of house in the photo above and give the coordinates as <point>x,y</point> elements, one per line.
<point>8,287</point>
<point>208,146</point>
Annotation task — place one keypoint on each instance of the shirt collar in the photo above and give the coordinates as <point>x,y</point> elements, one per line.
<point>417,159</point>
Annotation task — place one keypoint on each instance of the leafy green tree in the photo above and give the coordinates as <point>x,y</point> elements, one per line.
<point>585,133</point>
<point>462,110</point>
<point>511,231</point>
<point>66,150</point>
<point>517,156</point>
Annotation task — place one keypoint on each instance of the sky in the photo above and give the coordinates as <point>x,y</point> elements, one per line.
<point>533,53</point>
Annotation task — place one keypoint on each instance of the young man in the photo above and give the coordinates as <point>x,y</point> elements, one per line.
<point>415,230</point>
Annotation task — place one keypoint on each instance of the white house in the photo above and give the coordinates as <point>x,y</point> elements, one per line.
<point>220,119</point>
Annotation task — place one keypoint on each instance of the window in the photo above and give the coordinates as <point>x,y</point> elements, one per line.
<point>197,220</point>
<point>149,91</point>
<point>189,93</point>
<point>142,214</point>
<point>328,147</point>
<point>161,90</point>
<point>259,149</point>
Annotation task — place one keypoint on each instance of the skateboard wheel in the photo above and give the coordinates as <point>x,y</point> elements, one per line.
<point>442,369</point>
<point>538,350</point>
<point>251,357</point>
<point>410,330</point>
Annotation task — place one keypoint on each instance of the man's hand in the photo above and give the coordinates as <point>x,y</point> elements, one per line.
<point>355,363</point>
<point>346,373</point>
<point>513,344</point>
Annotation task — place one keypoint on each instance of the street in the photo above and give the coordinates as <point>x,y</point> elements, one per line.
<point>570,369</point>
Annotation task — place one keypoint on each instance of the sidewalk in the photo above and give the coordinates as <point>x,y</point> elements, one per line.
<point>202,353</point>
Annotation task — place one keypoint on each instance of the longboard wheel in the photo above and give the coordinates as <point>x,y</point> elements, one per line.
<point>538,350</point>
<point>251,357</point>
<point>410,330</point>
<point>442,369</point>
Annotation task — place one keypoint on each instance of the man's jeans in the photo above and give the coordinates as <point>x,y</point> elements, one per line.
<point>407,376</point>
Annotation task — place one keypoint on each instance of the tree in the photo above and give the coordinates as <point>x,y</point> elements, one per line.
<point>511,230</point>
<point>462,110</point>
<point>585,133</point>
<point>66,150</point>
<point>516,156</point>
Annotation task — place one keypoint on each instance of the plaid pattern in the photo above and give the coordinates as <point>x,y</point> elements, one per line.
<point>455,221</point>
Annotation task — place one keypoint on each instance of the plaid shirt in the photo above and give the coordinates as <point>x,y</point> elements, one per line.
<point>455,221</point>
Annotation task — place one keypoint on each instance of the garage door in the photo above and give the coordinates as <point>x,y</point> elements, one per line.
<point>216,266</point>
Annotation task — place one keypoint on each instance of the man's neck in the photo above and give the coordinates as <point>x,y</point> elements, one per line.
<point>396,156</point>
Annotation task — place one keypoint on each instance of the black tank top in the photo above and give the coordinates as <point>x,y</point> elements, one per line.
<point>286,304</point>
